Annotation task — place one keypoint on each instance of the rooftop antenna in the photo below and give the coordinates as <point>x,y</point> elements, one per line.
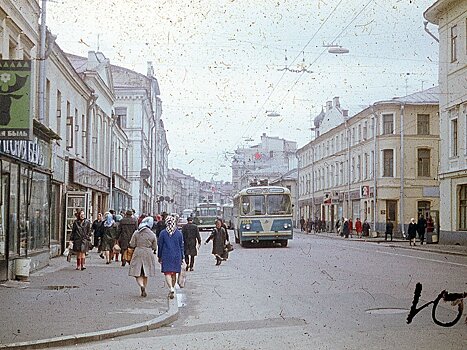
<point>98,42</point>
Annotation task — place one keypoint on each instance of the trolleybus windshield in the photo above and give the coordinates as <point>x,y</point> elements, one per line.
<point>272,204</point>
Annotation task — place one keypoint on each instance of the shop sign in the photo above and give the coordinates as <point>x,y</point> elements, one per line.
<point>26,151</point>
<point>88,177</point>
<point>15,100</point>
<point>364,191</point>
<point>121,183</point>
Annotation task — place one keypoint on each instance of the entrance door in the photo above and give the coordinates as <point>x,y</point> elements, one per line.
<point>391,212</point>
<point>4,224</point>
<point>74,201</point>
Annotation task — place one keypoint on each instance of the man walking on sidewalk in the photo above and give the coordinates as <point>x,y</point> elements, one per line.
<point>421,227</point>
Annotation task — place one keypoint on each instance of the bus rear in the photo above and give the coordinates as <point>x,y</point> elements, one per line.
<point>206,214</point>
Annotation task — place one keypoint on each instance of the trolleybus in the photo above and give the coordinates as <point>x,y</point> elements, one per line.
<point>205,215</point>
<point>263,213</point>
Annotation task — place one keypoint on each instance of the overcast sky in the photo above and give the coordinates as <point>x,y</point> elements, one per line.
<point>218,63</point>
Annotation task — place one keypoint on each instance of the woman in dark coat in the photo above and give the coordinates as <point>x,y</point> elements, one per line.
<point>218,237</point>
<point>346,228</point>
<point>109,236</point>
<point>126,227</point>
<point>81,239</point>
<point>98,229</point>
<point>143,262</point>
<point>412,231</point>
<point>191,238</point>
<point>170,252</point>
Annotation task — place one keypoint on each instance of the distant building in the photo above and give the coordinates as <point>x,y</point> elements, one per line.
<point>450,16</point>
<point>266,161</point>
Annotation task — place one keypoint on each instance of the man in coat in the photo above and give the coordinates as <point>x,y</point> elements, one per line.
<point>421,227</point>
<point>127,226</point>
<point>191,238</point>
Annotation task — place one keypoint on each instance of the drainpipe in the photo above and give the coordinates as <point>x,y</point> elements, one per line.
<point>42,76</point>
<point>425,23</point>
<point>402,207</point>
<point>375,165</point>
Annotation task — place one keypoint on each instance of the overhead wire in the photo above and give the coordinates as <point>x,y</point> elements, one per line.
<point>283,74</point>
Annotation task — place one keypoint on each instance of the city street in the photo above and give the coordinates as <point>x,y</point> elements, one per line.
<point>318,293</point>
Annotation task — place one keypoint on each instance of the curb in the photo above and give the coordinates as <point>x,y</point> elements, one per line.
<point>166,318</point>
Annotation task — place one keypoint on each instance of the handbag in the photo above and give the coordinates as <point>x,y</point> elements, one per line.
<point>229,247</point>
<point>116,248</point>
<point>128,254</point>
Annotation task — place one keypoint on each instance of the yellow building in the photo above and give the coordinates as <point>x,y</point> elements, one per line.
<point>340,169</point>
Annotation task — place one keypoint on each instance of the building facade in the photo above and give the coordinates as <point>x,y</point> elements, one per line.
<point>138,108</point>
<point>266,161</point>
<point>451,18</point>
<point>391,146</point>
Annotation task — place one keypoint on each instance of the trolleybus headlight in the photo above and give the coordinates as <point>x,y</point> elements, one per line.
<point>247,227</point>
<point>286,225</point>
<point>200,221</point>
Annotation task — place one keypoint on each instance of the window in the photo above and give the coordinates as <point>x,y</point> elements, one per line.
<point>463,208</point>
<point>69,132</point>
<point>59,113</point>
<point>271,154</point>
<point>454,139</point>
<point>365,130</point>
<point>424,162</point>
<point>454,43</point>
<point>121,113</point>
<point>47,102</point>
<point>253,205</point>
<point>388,124</point>
<point>279,204</point>
<point>388,163</point>
<point>423,124</point>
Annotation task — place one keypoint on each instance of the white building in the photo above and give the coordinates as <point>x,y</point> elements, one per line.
<point>451,18</point>
<point>139,109</point>
<point>265,161</point>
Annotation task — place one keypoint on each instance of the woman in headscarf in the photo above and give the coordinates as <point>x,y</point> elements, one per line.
<point>143,263</point>
<point>412,231</point>
<point>109,236</point>
<point>170,252</point>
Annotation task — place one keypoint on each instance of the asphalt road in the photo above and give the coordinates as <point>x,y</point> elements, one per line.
<point>318,293</point>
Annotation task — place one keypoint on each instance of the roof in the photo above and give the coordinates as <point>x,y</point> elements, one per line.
<point>434,13</point>
<point>428,96</point>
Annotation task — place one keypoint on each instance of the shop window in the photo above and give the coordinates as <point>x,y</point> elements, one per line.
<point>38,235</point>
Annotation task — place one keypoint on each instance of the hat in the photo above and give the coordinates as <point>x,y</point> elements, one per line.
<point>189,218</point>
<point>129,212</point>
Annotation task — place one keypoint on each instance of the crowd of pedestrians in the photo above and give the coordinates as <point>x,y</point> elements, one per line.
<point>140,240</point>
<point>346,228</point>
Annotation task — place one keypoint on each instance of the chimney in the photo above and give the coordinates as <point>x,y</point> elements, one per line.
<point>150,72</point>
<point>335,102</point>
<point>345,113</point>
<point>328,106</point>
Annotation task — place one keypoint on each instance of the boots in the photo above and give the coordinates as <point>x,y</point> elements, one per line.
<point>78,263</point>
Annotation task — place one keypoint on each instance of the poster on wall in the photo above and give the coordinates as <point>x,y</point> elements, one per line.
<point>15,100</point>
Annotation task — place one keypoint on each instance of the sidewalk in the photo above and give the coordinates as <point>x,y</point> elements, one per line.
<point>398,243</point>
<point>62,306</point>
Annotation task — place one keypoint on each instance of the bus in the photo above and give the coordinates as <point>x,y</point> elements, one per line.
<point>263,213</point>
<point>227,215</point>
<point>205,215</point>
